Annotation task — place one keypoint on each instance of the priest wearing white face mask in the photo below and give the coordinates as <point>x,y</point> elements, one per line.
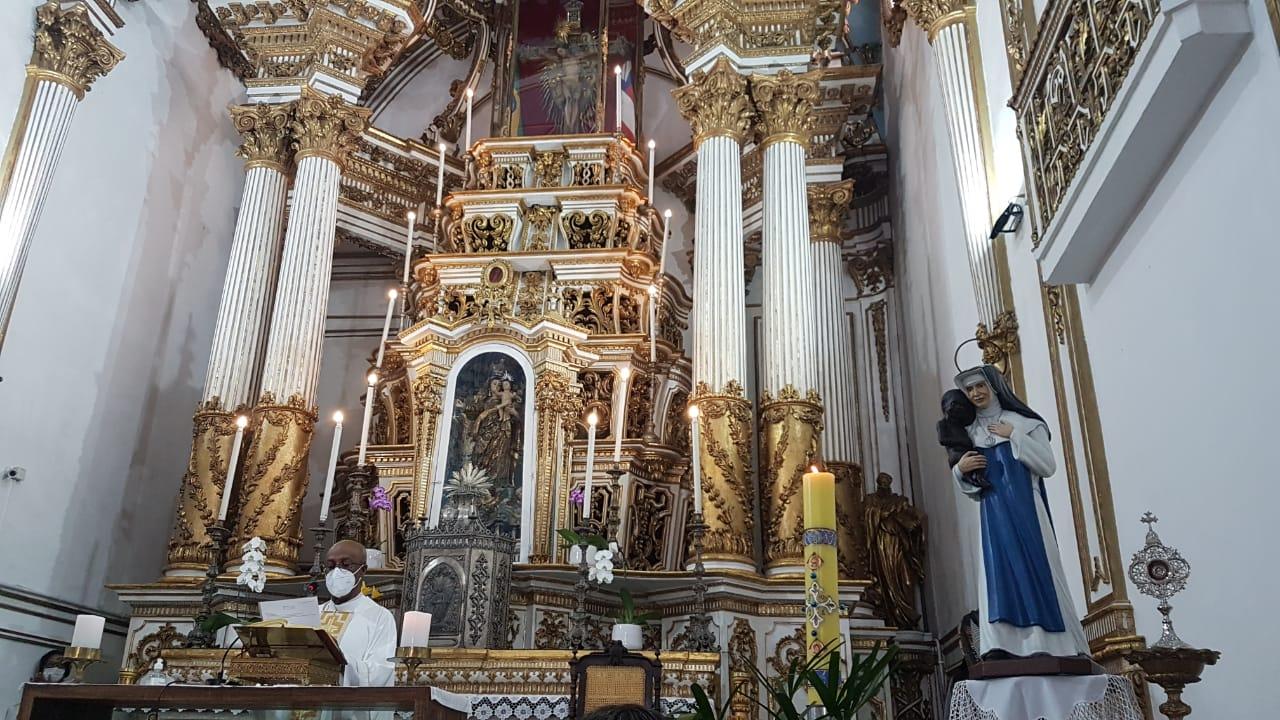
<point>368,634</point>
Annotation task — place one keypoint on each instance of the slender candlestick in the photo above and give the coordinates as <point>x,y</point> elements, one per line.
<point>88,632</point>
<point>617,106</point>
<point>592,420</point>
<point>392,294</point>
<point>653,324</point>
<point>662,251</point>
<point>652,148</point>
<point>241,423</point>
<point>368,415</point>
<point>333,466</point>
<point>470,94</point>
<point>696,450</point>
<point>622,414</point>
<point>440,177</point>
<point>408,246</point>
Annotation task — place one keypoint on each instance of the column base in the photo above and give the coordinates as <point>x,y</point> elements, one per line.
<point>275,483</point>
<point>790,426</point>
<point>728,506</point>
<point>211,437</point>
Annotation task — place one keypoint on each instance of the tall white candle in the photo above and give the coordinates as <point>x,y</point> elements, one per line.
<point>653,324</point>
<point>368,415</point>
<point>333,467</point>
<point>440,178</point>
<point>617,98</point>
<point>88,632</point>
<point>592,421</point>
<point>697,457</point>
<point>621,424</point>
<point>652,148</point>
<point>241,423</point>
<point>392,294</point>
<point>662,251</point>
<point>416,631</point>
<point>408,246</point>
<point>470,94</point>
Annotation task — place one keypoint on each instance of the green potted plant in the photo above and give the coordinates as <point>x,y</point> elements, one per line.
<point>629,628</point>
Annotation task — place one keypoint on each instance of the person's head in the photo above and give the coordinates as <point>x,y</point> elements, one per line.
<point>346,565</point>
<point>623,712</point>
<point>958,408</point>
<point>977,389</point>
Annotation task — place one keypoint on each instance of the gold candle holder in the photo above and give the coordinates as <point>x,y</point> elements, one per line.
<point>412,658</point>
<point>81,658</point>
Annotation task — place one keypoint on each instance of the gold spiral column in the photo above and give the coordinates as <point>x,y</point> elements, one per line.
<point>325,129</point>
<point>790,407</point>
<point>716,104</point>
<point>70,54</point>
<point>558,405</point>
<point>239,337</point>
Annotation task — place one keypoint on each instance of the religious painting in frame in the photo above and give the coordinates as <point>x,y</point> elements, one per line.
<point>558,78</point>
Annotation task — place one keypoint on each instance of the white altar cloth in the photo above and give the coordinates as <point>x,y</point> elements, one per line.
<point>1045,697</point>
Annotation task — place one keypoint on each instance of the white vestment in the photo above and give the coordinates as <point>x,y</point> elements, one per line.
<point>368,641</point>
<point>1030,444</point>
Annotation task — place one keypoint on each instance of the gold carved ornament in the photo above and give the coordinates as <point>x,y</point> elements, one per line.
<point>895,550</point>
<point>587,230</point>
<point>264,133</point>
<point>650,513</point>
<point>716,103</point>
<point>871,268</point>
<point>327,126</point>
<point>999,343</point>
<point>742,663</point>
<point>69,49</point>
<point>496,294</point>
<point>275,478</point>
<point>878,316</point>
<point>558,405</point>
<point>540,220</point>
<point>828,205</point>
<point>548,168</point>
<point>428,394</point>
<point>727,486</point>
<point>851,543</point>
<point>906,685</point>
<point>785,102</point>
<point>531,300</point>
<point>201,493</point>
<point>488,234</point>
<point>895,19</point>
<point>148,648</point>
<point>791,425</point>
<point>932,15</point>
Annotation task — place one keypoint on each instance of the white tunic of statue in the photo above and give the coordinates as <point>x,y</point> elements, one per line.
<point>368,641</point>
<point>1029,442</point>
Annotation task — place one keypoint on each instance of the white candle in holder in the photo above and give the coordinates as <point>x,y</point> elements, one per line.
<point>621,424</point>
<point>88,632</point>
<point>652,147</point>
<point>440,178</point>
<point>392,294</point>
<point>417,629</point>
<point>368,415</point>
<point>592,421</point>
<point>333,466</point>
<point>470,94</point>
<point>617,104</point>
<point>662,251</point>
<point>408,246</point>
<point>653,324</point>
<point>241,423</point>
<point>697,458</point>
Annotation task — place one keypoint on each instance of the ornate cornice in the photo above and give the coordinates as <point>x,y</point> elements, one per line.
<point>715,102</point>
<point>265,131</point>
<point>69,49</point>
<point>327,126</point>
<point>828,204</point>
<point>785,103</point>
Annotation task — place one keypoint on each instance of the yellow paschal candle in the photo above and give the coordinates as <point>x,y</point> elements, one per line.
<point>821,573</point>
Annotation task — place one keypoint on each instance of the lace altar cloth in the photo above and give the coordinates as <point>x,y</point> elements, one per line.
<point>1045,697</point>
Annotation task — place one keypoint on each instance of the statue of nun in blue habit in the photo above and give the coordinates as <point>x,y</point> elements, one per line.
<point>1023,603</point>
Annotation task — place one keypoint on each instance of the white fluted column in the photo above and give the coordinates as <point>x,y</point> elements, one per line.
<point>790,407</point>
<point>834,373</point>
<point>239,337</point>
<point>718,107</point>
<point>70,54</point>
<point>324,128</point>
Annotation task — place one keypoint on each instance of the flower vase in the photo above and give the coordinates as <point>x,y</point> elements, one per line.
<point>630,635</point>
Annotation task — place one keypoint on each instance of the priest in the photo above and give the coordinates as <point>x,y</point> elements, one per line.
<point>1024,605</point>
<point>366,631</point>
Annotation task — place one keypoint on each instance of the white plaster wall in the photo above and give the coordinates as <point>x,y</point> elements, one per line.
<point>1181,327</point>
<point>107,348</point>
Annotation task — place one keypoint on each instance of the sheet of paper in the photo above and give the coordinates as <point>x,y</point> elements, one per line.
<point>299,612</point>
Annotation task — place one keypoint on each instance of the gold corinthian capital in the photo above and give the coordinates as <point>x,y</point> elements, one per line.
<point>264,129</point>
<point>69,49</point>
<point>785,102</point>
<point>327,126</point>
<point>828,203</point>
<point>715,102</point>
<point>933,15</point>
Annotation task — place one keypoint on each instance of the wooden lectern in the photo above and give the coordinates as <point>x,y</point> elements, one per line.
<point>282,655</point>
